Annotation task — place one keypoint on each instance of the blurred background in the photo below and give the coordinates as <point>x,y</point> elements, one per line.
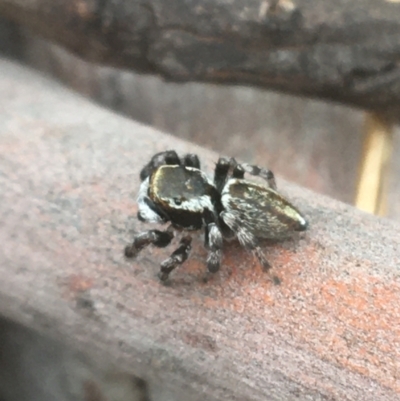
<point>333,149</point>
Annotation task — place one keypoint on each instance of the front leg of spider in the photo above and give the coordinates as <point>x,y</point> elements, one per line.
<point>191,160</point>
<point>161,216</point>
<point>168,157</point>
<point>221,173</point>
<point>177,258</point>
<point>158,238</point>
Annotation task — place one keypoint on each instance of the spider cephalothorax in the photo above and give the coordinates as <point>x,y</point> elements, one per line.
<point>175,190</point>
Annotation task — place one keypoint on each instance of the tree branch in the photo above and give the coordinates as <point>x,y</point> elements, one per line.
<point>69,174</point>
<point>346,51</point>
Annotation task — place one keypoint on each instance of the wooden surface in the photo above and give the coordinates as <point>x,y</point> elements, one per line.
<point>313,143</point>
<point>323,141</point>
<point>69,177</point>
<point>340,50</point>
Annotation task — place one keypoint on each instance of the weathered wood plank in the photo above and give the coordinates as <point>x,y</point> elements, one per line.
<point>69,175</point>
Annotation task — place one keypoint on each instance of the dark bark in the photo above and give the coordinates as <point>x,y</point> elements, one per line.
<point>339,50</point>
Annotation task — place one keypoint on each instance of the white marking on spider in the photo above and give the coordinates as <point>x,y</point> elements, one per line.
<point>197,204</point>
<point>145,212</point>
<point>215,237</point>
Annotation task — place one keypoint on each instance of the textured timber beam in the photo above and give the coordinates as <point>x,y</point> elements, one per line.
<point>341,50</point>
<point>68,178</point>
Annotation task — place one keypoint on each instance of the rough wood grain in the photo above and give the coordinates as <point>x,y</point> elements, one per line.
<point>313,143</point>
<point>68,178</point>
<point>342,50</point>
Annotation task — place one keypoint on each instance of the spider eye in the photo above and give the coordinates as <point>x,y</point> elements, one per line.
<point>178,201</point>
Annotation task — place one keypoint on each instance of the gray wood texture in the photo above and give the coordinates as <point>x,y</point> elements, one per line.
<point>313,143</point>
<point>69,176</point>
<point>340,50</point>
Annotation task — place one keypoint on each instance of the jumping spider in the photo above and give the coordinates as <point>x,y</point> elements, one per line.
<point>175,190</point>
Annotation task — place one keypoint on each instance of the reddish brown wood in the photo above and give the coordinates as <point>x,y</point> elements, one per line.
<point>69,177</point>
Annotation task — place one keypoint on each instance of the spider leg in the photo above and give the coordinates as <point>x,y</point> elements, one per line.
<point>169,157</point>
<point>246,239</point>
<point>143,215</point>
<point>256,171</point>
<point>157,238</point>
<point>221,172</point>
<point>191,160</point>
<point>177,258</point>
<point>215,242</point>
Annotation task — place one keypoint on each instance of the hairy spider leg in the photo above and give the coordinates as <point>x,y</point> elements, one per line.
<point>247,240</point>
<point>158,238</point>
<point>224,166</point>
<point>177,257</point>
<point>221,172</point>
<point>239,169</point>
<point>169,157</point>
<point>257,171</point>
<point>213,240</point>
<point>156,209</point>
<point>191,160</point>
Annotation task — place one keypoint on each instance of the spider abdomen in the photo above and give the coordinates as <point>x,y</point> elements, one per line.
<point>261,210</point>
